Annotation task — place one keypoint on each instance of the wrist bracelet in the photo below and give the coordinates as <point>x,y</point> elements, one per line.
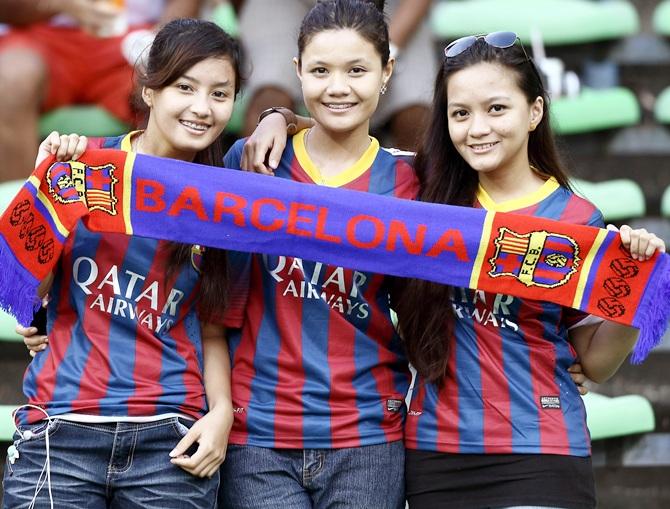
<point>289,116</point>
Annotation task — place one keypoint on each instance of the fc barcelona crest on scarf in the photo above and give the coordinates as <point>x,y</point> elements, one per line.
<point>71,181</point>
<point>537,258</point>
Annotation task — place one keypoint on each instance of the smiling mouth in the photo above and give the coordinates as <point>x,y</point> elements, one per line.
<point>195,126</point>
<point>482,147</point>
<point>339,106</point>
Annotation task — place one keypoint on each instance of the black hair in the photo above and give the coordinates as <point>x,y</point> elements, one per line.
<point>365,17</point>
<point>178,46</point>
<point>423,307</point>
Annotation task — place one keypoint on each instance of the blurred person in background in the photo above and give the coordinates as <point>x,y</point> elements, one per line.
<point>64,52</point>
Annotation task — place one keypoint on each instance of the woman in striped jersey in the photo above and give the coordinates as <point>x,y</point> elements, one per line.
<point>495,420</point>
<point>130,403</point>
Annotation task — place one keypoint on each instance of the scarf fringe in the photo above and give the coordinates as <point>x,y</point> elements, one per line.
<point>18,289</point>
<point>654,311</point>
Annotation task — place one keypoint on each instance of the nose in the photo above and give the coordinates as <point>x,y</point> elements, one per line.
<point>200,105</point>
<point>479,125</point>
<point>338,84</point>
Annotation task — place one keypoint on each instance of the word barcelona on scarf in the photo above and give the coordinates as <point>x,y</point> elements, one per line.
<point>112,191</point>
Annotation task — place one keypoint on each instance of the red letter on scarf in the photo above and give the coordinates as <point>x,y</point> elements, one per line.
<point>451,240</point>
<point>256,214</point>
<point>376,240</point>
<point>189,199</point>
<point>294,219</point>
<point>235,209</point>
<point>153,192</point>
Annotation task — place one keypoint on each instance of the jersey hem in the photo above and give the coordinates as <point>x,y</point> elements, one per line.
<point>316,443</point>
<point>451,448</point>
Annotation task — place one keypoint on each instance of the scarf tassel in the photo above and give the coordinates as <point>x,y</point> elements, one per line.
<point>654,311</point>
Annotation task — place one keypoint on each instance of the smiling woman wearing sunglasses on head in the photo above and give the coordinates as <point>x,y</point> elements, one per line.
<point>495,420</point>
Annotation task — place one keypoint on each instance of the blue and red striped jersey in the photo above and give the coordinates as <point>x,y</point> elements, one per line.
<point>123,339</point>
<point>317,362</point>
<point>507,388</point>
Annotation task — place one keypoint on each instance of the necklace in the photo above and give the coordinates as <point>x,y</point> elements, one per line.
<point>321,179</point>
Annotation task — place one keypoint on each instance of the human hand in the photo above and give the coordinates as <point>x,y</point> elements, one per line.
<point>211,433</point>
<point>578,377</point>
<point>263,149</point>
<point>64,147</point>
<point>641,243</point>
<point>34,342</point>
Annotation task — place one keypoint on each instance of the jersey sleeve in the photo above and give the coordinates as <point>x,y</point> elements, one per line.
<point>234,155</point>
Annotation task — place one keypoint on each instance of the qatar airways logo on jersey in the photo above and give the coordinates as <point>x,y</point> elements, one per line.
<point>339,290</point>
<point>483,308</point>
<point>132,296</point>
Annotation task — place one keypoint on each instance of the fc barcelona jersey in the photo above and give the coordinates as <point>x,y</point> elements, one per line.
<point>317,362</point>
<point>123,339</point>
<point>507,388</point>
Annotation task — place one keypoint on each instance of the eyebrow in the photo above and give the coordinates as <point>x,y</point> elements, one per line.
<point>490,100</point>
<point>219,84</point>
<point>350,62</point>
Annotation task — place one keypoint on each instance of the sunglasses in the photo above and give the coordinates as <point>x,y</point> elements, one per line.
<point>500,40</point>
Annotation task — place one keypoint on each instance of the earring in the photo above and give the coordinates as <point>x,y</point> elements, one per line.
<point>382,91</point>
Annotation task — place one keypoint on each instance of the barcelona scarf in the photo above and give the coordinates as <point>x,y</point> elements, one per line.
<point>112,191</point>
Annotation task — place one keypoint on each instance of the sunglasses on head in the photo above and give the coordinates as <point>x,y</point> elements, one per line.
<point>500,40</point>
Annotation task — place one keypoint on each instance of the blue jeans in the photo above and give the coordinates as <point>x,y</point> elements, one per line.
<point>112,465</point>
<point>370,477</point>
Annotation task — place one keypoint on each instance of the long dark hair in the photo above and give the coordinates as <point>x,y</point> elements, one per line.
<point>424,308</point>
<point>178,46</point>
<point>366,17</point>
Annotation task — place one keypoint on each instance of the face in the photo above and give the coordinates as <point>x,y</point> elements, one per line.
<point>190,113</point>
<point>490,118</point>
<point>341,75</point>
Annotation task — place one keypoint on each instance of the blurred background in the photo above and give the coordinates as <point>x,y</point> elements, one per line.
<point>605,62</point>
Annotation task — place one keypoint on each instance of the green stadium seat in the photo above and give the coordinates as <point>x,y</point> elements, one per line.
<point>224,16</point>
<point>7,192</point>
<point>665,203</point>
<point>6,423</point>
<point>613,417</point>
<point>595,110</point>
<point>662,107</point>
<point>661,19</point>
<point>617,199</point>
<point>88,120</point>
<point>561,22</point>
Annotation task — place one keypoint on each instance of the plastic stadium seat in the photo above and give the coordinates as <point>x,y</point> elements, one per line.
<point>560,21</point>
<point>595,110</point>
<point>224,16</point>
<point>661,18</point>
<point>81,119</point>
<point>619,416</point>
<point>7,192</point>
<point>662,107</point>
<point>665,203</point>
<point>617,199</point>
<point>6,423</point>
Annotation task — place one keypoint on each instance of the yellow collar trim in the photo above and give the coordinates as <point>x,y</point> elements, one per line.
<point>342,178</point>
<point>517,203</point>
<point>126,142</point>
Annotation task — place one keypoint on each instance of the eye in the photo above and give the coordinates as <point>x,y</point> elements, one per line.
<point>459,114</point>
<point>319,71</point>
<point>497,108</point>
<point>357,70</point>
<point>184,87</point>
<point>219,94</point>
